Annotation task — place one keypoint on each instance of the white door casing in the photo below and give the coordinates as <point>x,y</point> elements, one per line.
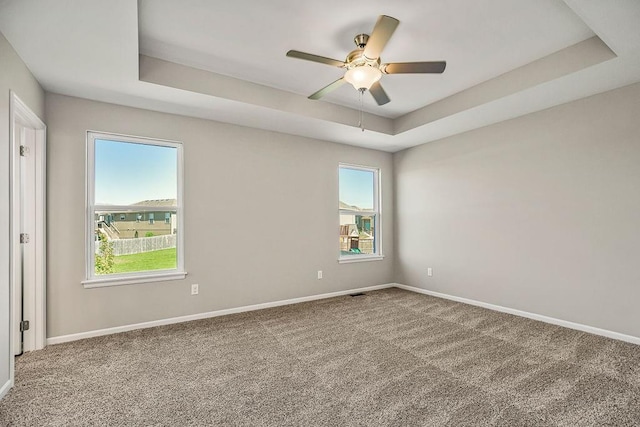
<point>16,262</point>
<point>27,215</point>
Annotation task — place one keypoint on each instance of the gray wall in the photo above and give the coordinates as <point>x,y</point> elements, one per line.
<point>540,213</point>
<point>263,196</point>
<point>15,76</point>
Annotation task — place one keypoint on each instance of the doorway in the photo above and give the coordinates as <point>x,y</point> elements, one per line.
<point>28,233</point>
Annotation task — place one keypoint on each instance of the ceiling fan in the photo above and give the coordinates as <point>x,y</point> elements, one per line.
<point>363,65</point>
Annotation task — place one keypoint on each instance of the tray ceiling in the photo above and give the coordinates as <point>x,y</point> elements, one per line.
<point>226,60</point>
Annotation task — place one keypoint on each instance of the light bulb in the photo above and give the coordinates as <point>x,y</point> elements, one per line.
<point>363,76</point>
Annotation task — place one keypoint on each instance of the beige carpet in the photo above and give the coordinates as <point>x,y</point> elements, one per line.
<point>390,357</point>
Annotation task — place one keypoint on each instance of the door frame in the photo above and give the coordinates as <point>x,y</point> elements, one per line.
<point>21,114</point>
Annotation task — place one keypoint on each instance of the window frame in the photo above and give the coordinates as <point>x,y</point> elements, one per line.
<point>376,213</point>
<point>91,279</point>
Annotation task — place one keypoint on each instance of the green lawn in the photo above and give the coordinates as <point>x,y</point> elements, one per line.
<point>155,260</point>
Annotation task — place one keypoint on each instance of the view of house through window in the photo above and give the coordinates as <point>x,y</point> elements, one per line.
<point>133,182</point>
<point>359,212</point>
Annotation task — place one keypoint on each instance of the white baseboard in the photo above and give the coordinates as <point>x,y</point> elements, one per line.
<point>5,389</point>
<point>571,325</point>
<point>151,324</point>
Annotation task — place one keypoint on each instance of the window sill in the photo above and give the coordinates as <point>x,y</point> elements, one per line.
<point>133,279</point>
<point>360,258</point>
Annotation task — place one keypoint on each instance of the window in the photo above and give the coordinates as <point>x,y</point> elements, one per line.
<point>133,178</point>
<point>359,207</point>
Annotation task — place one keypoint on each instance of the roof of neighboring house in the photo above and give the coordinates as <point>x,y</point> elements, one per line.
<point>158,202</point>
<point>343,205</point>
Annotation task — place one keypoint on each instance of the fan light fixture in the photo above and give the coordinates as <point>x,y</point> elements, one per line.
<point>363,77</point>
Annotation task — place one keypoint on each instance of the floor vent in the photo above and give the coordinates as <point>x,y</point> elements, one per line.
<point>359,294</point>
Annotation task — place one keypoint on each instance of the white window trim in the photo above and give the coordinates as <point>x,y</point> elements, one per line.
<point>360,258</point>
<point>93,281</point>
<point>377,212</point>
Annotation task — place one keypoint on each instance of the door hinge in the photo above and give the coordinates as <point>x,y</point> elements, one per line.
<point>24,150</point>
<point>24,325</point>
<point>24,238</point>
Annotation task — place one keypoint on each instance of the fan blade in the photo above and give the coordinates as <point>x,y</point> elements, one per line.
<point>414,67</point>
<point>381,34</point>
<point>325,90</point>
<point>315,58</point>
<point>379,94</point>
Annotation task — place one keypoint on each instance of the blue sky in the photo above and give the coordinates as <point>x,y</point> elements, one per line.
<point>127,173</point>
<point>356,187</point>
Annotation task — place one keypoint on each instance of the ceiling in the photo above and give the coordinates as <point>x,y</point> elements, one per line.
<point>226,60</point>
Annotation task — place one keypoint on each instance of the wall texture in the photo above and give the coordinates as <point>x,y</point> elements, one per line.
<point>14,75</point>
<point>270,201</point>
<point>539,213</point>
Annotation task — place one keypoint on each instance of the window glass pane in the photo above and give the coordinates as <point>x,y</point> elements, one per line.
<point>357,234</point>
<point>356,189</point>
<point>128,173</point>
<point>124,244</point>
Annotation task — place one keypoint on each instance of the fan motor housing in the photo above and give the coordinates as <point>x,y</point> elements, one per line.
<point>356,57</point>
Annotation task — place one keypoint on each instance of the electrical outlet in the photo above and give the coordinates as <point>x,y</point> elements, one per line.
<point>429,271</point>
<point>319,274</point>
<point>194,289</point>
